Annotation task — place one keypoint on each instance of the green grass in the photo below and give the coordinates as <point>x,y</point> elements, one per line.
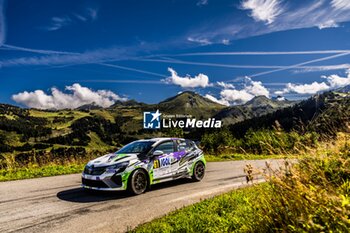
<point>35,171</point>
<point>230,212</point>
<point>230,157</point>
<point>312,195</point>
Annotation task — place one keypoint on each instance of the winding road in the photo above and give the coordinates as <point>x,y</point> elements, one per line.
<point>58,204</point>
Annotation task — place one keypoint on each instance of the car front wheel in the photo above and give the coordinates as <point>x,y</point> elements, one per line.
<point>198,171</point>
<point>138,182</point>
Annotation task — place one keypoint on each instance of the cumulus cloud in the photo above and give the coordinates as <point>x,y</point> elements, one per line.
<point>256,88</point>
<point>231,95</point>
<point>236,96</point>
<point>304,88</point>
<point>77,97</point>
<point>333,81</point>
<point>225,85</point>
<point>336,81</point>
<point>219,101</point>
<point>263,10</point>
<point>200,80</point>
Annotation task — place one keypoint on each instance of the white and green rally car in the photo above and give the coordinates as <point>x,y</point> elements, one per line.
<point>142,163</point>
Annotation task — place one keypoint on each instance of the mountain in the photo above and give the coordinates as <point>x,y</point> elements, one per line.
<point>345,89</point>
<point>189,102</point>
<point>28,135</point>
<point>128,103</point>
<point>258,106</point>
<point>325,113</point>
<point>88,107</point>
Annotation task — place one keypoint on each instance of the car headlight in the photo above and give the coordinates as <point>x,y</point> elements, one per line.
<point>119,167</point>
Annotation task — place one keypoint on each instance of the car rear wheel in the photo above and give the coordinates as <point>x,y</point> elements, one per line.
<point>138,182</point>
<point>198,171</point>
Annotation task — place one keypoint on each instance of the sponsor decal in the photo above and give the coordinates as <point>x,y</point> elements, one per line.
<point>152,120</point>
<point>163,162</point>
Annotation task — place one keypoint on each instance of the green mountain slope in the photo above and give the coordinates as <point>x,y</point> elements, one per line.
<point>324,113</point>
<point>256,107</point>
<point>190,103</point>
<point>37,136</point>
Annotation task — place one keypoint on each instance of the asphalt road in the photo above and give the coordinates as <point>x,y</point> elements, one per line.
<point>58,204</point>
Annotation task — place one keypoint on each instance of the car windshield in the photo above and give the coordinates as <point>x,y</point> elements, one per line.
<point>136,147</point>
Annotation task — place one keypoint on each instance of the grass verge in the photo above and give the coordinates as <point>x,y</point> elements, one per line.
<point>35,171</point>
<point>310,196</point>
<point>230,212</point>
<point>233,157</point>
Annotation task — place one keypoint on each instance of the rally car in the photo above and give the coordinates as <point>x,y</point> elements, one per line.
<point>139,164</point>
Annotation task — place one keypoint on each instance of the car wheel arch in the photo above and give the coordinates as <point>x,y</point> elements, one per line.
<point>147,175</point>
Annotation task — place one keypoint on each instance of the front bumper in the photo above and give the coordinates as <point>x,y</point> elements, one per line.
<point>105,182</point>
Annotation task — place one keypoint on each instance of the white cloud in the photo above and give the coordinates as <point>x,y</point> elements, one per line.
<point>201,80</point>
<point>289,16</point>
<point>201,41</point>
<point>328,24</point>
<point>236,96</point>
<point>341,4</point>
<point>2,23</point>
<point>219,101</point>
<point>59,100</point>
<point>336,81</point>
<point>333,81</point>
<point>279,92</point>
<point>256,88</point>
<point>263,10</point>
<point>312,88</point>
<point>225,85</point>
<point>225,41</point>
<point>250,90</point>
<point>230,95</point>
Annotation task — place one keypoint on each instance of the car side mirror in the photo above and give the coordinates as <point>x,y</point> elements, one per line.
<point>157,153</point>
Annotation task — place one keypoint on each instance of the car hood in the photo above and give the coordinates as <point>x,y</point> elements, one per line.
<point>111,159</point>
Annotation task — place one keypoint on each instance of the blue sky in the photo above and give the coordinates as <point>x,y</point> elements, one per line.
<point>57,54</point>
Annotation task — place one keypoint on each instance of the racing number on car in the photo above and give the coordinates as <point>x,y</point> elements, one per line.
<point>156,164</point>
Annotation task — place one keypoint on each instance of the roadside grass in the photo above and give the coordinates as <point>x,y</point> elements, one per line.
<point>233,157</point>
<point>235,211</point>
<point>36,171</point>
<point>70,167</point>
<point>312,195</point>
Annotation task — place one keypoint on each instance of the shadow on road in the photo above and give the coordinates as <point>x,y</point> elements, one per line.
<point>81,195</point>
<point>85,196</point>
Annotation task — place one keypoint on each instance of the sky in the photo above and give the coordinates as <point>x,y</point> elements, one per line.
<point>63,54</point>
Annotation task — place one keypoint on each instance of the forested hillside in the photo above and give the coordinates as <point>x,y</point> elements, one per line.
<point>31,136</point>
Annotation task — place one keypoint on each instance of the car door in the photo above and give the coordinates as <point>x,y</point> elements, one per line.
<point>177,166</point>
<point>162,169</point>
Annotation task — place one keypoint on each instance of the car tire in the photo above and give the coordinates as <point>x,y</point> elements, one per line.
<point>198,171</point>
<point>138,182</point>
